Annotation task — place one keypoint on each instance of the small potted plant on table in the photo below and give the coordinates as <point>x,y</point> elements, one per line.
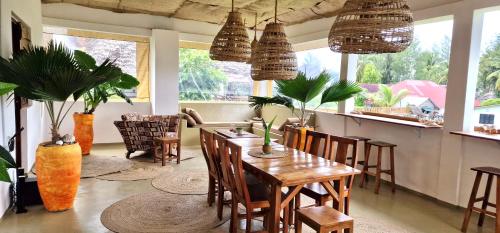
<point>48,75</point>
<point>266,148</point>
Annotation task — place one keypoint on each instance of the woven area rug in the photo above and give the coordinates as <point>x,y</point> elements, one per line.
<point>97,165</point>
<point>143,168</point>
<point>185,182</point>
<point>161,212</point>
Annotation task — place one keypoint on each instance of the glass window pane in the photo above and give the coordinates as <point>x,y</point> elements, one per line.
<point>487,104</point>
<point>124,53</point>
<point>205,80</point>
<point>411,83</point>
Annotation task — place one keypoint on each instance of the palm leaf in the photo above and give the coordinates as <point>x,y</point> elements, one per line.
<point>301,88</point>
<point>340,91</point>
<point>85,61</point>
<point>6,88</point>
<point>258,102</point>
<point>6,162</point>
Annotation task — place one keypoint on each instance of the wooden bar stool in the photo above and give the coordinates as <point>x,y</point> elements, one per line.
<point>361,139</point>
<point>323,219</point>
<point>380,145</point>
<point>492,172</point>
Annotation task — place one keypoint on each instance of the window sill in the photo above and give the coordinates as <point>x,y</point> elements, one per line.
<point>389,120</point>
<point>489,137</point>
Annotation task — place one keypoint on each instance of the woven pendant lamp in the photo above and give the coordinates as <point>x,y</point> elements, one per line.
<point>231,43</point>
<point>274,58</point>
<point>372,26</point>
<point>254,43</point>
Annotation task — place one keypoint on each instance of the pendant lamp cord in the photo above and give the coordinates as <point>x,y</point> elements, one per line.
<point>275,10</point>
<point>232,5</point>
<point>255,27</point>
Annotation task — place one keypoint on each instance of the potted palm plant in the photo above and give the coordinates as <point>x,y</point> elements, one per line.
<point>84,121</point>
<point>303,90</point>
<point>51,74</point>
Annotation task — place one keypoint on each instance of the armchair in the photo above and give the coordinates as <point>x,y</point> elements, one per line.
<point>139,131</point>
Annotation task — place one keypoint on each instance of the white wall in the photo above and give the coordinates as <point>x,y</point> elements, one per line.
<point>29,12</point>
<point>104,116</point>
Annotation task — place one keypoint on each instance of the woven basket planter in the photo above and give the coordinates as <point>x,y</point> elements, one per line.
<point>274,58</point>
<point>231,43</point>
<point>372,26</point>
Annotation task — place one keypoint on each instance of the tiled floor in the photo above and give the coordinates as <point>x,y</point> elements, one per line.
<point>404,210</point>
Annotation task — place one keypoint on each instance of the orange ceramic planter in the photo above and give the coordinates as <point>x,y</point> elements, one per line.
<point>84,131</point>
<point>58,171</point>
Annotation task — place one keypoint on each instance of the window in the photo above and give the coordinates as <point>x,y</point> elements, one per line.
<point>206,80</point>
<point>130,53</point>
<point>313,62</point>
<point>487,104</point>
<point>410,84</point>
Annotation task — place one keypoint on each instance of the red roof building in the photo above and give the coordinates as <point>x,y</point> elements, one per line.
<point>423,88</point>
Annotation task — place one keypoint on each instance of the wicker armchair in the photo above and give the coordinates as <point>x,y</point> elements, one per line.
<point>139,131</point>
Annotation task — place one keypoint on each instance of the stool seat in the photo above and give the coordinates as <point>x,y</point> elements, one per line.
<point>324,219</point>
<point>488,170</point>
<point>381,144</point>
<point>359,138</point>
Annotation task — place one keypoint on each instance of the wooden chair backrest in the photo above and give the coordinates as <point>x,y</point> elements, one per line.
<point>339,148</point>
<point>232,166</point>
<point>208,149</point>
<point>219,143</point>
<point>316,143</point>
<point>291,137</point>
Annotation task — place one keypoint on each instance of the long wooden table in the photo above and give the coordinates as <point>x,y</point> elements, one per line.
<point>293,171</point>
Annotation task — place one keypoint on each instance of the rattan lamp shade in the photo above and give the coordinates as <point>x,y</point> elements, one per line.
<point>231,43</point>
<point>253,47</point>
<point>372,26</point>
<point>274,58</point>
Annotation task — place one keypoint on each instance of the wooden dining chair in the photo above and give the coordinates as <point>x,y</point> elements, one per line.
<point>218,146</point>
<point>292,137</point>
<point>208,147</point>
<point>255,196</point>
<point>316,143</point>
<point>338,152</point>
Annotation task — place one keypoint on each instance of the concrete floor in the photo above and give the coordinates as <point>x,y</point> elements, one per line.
<point>403,209</point>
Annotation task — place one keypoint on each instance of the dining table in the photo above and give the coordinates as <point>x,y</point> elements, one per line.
<point>292,171</point>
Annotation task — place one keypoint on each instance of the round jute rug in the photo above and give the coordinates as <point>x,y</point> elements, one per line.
<point>157,211</point>
<point>185,182</point>
<point>97,165</point>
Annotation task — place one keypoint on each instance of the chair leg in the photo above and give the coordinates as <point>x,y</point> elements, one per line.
<point>365,166</point>
<point>297,207</point>
<point>498,205</point>
<point>286,219</point>
<point>298,225</point>
<point>393,171</point>
<point>233,224</point>
<point>164,153</point>
<point>220,199</point>
<point>379,168</point>
<point>178,153</point>
<point>472,199</point>
<point>248,226</point>
<point>347,204</point>
<point>211,190</point>
<point>486,198</point>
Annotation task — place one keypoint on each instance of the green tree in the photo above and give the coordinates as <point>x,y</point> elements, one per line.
<point>386,98</point>
<point>199,78</point>
<point>489,70</point>
<point>370,74</point>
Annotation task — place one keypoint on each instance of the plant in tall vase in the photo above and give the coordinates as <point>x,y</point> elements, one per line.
<point>303,90</point>
<point>51,74</point>
<point>84,121</point>
<point>266,148</point>
<point>6,160</point>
